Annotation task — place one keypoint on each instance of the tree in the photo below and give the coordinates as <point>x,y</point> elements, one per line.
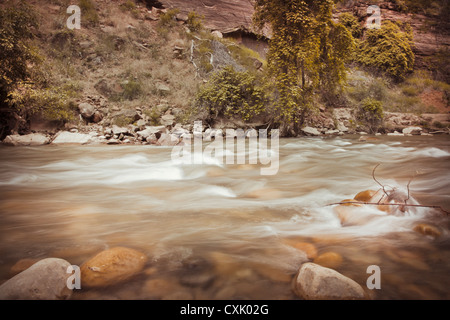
<point>388,49</point>
<point>25,89</point>
<point>16,56</point>
<point>232,94</point>
<point>307,52</point>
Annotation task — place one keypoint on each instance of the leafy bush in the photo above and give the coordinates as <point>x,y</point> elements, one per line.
<point>388,49</point>
<point>168,18</point>
<point>232,94</point>
<point>371,113</point>
<point>351,22</point>
<point>194,21</point>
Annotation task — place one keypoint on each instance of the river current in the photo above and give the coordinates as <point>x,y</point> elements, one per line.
<point>224,231</point>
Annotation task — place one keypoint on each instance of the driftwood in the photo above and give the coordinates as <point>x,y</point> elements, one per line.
<point>391,195</point>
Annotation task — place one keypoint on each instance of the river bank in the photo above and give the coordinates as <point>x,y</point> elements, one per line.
<point>170,133</point>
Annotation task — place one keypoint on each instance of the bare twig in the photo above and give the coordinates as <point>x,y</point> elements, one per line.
<point>382,187</point>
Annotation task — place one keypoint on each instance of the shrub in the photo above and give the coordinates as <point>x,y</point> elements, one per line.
<point>388,49</point>
<point>371,113</point>
<point>131,89</point>
<point>351,22</point>
<point>168,18</point>
<point>89,12</point>
<point>232,94</point>
<point>194,21</point>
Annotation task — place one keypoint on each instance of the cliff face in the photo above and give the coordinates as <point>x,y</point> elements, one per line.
<point>430,36</point>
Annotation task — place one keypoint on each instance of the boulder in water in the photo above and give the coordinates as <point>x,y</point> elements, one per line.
<point>315,282</point>
<point>112,266</point>
<point>44,280</point>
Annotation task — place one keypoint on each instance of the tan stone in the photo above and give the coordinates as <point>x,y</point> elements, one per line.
<point>111,267</point>
<point>365,196</point>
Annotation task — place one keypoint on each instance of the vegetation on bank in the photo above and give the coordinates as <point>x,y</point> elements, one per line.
<point>313,61</point>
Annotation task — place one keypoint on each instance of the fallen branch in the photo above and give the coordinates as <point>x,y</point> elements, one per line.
<point>389,204</point>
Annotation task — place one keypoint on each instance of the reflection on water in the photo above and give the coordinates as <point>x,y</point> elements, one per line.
<point>240,230</point>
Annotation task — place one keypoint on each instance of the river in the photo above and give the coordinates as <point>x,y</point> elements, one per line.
<point>217,231</point>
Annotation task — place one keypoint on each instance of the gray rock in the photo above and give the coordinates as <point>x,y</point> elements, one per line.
<point>44,280</point>
<point>87,110</point>
<point>168,140</point>
<point>412,131</point>
<point>63,137</point>
<point>168,120</point>
<point>314,282</point>
<point>151,131</point>
<point>32,139</point>
<point>311,131</point>
<point>162,88</point>
<point>116,130</point>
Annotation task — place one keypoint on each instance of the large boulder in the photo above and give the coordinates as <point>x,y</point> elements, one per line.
<point>32,139</point>
<point>112,266</point>
<point>44,280</point>
<point>64,137</point>
<point>314,282</point>
<point>87,110</point>
<point>412,131</point>
<point>311,131</point>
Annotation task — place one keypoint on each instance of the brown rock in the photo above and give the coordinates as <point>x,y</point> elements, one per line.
<point>308,248</point>
<point>427,230</point>
<point>365,196</point>
<point>329,259</point>
<point>112,266</point>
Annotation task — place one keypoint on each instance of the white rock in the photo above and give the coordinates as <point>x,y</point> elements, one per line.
<point>63,137</point>
<point>412,131</point>
<point>32,139</point>
<point>44,280</point>
<point>314,282</point>
<point>395,133</point>
<point>311,131</point>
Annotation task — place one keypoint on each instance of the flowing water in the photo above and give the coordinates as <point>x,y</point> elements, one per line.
<point>217,231</point>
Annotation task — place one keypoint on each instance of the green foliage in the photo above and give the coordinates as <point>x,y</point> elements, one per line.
<point>232,94</point>
<point>168,18</point>
<point>89,12</point>
<point>54,103</point>
<point>307,51</point>
<point>194,21</point>
<point>388,49</point>
<point>371,113</point>
<point>16,52</point>
<point>351,22</point>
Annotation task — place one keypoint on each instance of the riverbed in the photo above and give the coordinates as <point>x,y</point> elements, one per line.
<point>225,231</point>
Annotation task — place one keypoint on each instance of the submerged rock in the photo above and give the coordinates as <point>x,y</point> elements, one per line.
<point>112,266</point>
<point>44,280</point>
<point>315,282</point>
<point>330,259</point>
<point>427,230</point>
